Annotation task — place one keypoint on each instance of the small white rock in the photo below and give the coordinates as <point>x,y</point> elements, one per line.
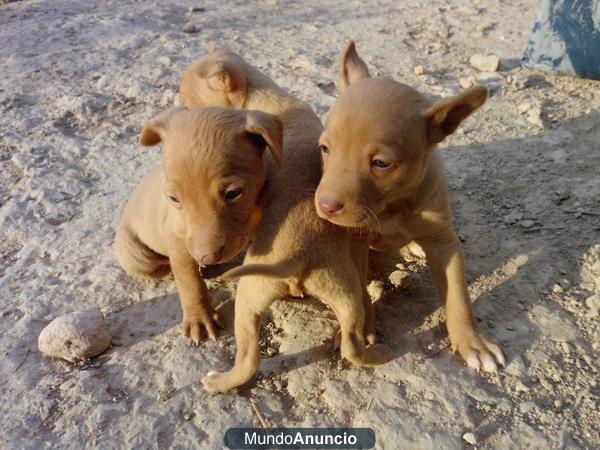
<point>470,438</point>
<point>164,60</point>
<point>397,276</point>
<point>520,387</point>
<point>419,70</point>
<point>375,289</point>
<point>489,63</point>
<point>76,336</point>
<point>466,82</point>
<point>593,303</point>
<point>534,116</point>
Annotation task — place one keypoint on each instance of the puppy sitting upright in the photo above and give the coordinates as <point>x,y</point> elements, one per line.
<point>381,167</point>
<point>202,205</point>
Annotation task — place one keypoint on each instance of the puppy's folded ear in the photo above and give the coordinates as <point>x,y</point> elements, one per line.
<point>269,128</point>
<point>352,68</point>
<point>445,116</point>
<point>227,79</point>
<point>155,129</point>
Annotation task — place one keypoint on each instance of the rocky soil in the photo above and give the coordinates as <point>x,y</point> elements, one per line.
<point>78,80</point>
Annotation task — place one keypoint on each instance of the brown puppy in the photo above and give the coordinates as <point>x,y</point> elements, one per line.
<point>202,205</point>
<point>293,251</point>
<point>381,170</point>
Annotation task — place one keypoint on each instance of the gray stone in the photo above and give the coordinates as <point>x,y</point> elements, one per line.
<point>190,28</point>
<point>527,223</point>
<point>513,217</point>
<point>554,323</point>
<point>516,367</point>
<point>76,336</point>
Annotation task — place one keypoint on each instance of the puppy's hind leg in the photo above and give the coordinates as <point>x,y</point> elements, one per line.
<point>136,258</point>
<point>339,285</point>
<point>254,295</point>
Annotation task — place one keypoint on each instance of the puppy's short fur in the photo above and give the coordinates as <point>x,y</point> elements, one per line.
<point>201,205</point>
<point>293,251</point>
<point>381,171</point>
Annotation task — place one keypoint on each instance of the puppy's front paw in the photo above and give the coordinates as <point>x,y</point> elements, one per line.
<point>213,382</point>
<point>479,352</point>
<point>370,338</point>
<point>193,326</point>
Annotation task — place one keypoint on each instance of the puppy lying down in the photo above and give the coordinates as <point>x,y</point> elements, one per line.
<point>201,205</point>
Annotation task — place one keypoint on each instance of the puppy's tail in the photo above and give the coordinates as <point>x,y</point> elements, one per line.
<point>288,268</point>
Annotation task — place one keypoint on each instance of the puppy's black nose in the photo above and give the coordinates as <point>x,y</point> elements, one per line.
<point>330,206</point>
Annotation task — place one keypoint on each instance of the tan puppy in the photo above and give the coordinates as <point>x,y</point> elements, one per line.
<point>202,205</point>
<point>381,170</point>
<point>293,250</point>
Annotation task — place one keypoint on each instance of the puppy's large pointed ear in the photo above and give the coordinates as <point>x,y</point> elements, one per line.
<point>445,116</point>
<point>269,129</point>
<point>156,128</point>
<point>228,79</point>
<point>352,68</point>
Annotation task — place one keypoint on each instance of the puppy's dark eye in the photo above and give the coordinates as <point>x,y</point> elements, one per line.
<point>233,194</point>
<point>380,164</point>
<point>324,149</point>
<point>173,200</point>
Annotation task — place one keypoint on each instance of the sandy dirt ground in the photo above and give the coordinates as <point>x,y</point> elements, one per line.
<point>79,78</point>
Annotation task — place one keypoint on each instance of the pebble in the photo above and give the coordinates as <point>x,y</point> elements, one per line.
<point>546,384</point>
<point>593,304</point>
<point>518,81</point>
<point>271,351</point>
<point>466,82</point>
<point>516,367</point>
<point>483,63</point>
<point>526,407</point>
<point>523,107</point>
<point>375,289</point>
<point>194,9</point>
<point>419,70</point>
<point>470,438</point>
<point>527,223</point>
<point>534,116</point>
<point>554,322</point>
<point>190,28</point>
<point>76,336</point>
<point>566,347</point>
<point>164,60</point>
<point>558,403</point>
<point>520,387</point>
<point>504,405</point>
<point>557,289</point>
<point>397,276</point>
<point>513,217</point>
